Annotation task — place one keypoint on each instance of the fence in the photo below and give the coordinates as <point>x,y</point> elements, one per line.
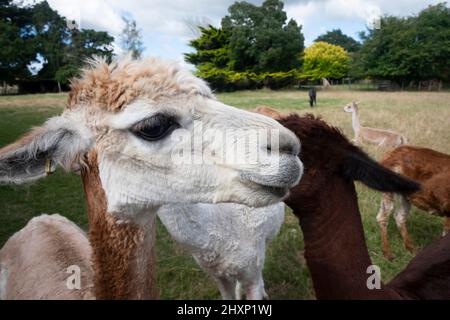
<point>389,85</point>
<point>8,89</point>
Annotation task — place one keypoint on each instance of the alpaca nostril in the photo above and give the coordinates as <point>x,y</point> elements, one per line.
<point>290,148</point>
<point>284,142</point>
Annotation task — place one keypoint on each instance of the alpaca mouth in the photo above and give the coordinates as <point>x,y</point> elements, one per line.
<point>279,192</point>
<point>283,179</point>
<point>271,194</point>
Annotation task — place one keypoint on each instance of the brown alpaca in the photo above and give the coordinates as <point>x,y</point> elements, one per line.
<point>432,170</point>
<point>116,132</point>
<point>326,204</point>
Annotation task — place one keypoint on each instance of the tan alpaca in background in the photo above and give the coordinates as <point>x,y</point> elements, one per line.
<point>380,137</point>
<point>117,131</point>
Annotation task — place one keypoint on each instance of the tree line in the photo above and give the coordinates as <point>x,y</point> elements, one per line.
<point>258,46</point>
<point>254,47</point>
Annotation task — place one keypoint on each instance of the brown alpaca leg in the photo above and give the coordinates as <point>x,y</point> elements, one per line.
<point>446,226</point>
<point>400,218</point>
<point>387,204</point>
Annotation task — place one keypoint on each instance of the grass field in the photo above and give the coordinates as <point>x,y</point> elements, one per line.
<point>423,117</point>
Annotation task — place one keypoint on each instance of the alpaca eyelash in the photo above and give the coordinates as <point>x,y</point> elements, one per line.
<point>150,121</point>
<point>162,125</point>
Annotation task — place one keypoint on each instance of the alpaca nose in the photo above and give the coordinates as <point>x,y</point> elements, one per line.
<point>290,148</point>
<point>288,143</point>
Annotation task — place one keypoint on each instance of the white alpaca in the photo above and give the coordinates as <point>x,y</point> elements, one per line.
<point>379,137</point>
<point>228,241</point>
<point>122,128</point>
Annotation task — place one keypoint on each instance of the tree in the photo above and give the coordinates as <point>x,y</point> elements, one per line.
<point>405,49</point>
<point>336,37</point>
<point>212,48</point>
<point>431,50</point>
<point>324,60</point>
<point>84,44</point>
<point>260,38</point>
<point>132,38</point>
<point>17,41</point>
<point>37,31</point>
<point>52,36</point>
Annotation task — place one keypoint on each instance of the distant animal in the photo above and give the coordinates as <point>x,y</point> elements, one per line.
<point>312,93</point>
<point>380,137</point>
<point>228,241</point>
<point>326,83</point>
<point>432,170</point>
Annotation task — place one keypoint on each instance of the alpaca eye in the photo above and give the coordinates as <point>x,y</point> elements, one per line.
<point>155,128</point>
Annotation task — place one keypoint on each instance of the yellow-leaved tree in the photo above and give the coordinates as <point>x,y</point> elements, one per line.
<point>324,60</point>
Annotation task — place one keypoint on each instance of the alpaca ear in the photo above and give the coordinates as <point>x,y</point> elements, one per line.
<point>359,166</point>
<point>60,141</point>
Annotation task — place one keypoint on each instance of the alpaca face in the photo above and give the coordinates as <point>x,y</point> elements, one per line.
<point>352,107</point>
<point>186,150</point>
<point>160,137</point>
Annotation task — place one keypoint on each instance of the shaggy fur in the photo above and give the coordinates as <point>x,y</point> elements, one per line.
<point>114,86</point>
<point>228,241</point>
<point>432,170</point>
<point>123,252</point>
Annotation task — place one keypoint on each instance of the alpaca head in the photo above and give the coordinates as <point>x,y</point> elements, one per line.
<point>160,137</point>
<point>351,107</point>
<point>328,155</point>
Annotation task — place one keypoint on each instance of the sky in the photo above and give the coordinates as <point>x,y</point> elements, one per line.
<point>167,24</point>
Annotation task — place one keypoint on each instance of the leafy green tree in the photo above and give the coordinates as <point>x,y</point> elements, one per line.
<point>385,51</point>
<point>405,49</point>
<point>132,38</point>
<point>260,38</point>
<point>84,44</point>
<point>431,50</point>
<point>64,50</point>
<point>212,48</point>
<point>17,41</point>
<point>336,37</point>
<point>52,36</point>
<point>88,43</point>
<point>324,60</point>
<point>37,31</point>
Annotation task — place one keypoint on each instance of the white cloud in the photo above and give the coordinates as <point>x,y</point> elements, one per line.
<point>95,14</point>
<point>349,15</point>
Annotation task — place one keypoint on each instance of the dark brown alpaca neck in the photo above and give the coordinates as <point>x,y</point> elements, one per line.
<point>335,247</point>
<point>123,253</point>
<point>326,204</point>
